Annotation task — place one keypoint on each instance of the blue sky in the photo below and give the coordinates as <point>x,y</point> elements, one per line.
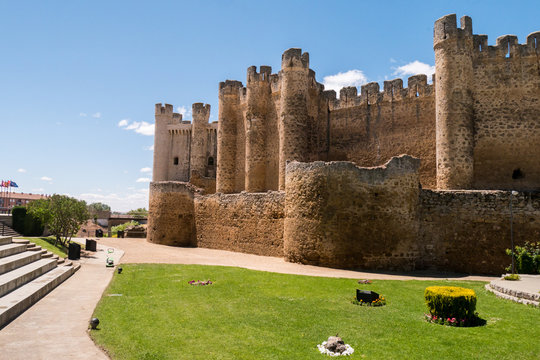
<point>72,71</point>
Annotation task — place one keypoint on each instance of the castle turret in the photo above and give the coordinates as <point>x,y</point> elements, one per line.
<point>293,119</point>
<point>198,157</point>
<point>454,105</point>
<point>228,118</point>
<point>258,100</point>
<point>164,117</point>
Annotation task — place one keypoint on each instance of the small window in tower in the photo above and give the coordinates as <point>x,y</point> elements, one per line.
<point>517,174</point>
<point>210,161</point>
<point>175,160</point>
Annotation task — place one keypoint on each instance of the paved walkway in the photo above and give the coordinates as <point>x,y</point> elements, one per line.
<point>141,251</point>
<point>56,326</point>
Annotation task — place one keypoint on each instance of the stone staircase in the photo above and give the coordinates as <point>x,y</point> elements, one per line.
<point>7,231</point>
<point>27,273</point>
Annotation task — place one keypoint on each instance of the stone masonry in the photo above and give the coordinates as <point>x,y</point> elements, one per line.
<point>302,174</point>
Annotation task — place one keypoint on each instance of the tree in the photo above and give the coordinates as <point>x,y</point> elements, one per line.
<point>94,208</point>
<point>139,213</point>
<point>63,215</point>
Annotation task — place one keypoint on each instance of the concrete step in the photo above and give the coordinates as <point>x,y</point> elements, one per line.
<point>17,301</point>
<point>20,241</point>
<point>7,231</point>
<point>33,247</point>
<point>46,254</point>
<point>61,261</point>
<point>18,277</point>
<point>15,261</point>
<point>11,249</point>
<point>5,240</point>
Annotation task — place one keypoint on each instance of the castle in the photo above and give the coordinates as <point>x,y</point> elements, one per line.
<point>291,170</point>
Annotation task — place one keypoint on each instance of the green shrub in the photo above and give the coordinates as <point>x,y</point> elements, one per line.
<point>451,302</point>
<point>527,258</point>
<point>512,277</point>
<point>18,213</point>
<point>122,227</point>
<point>25,223</point>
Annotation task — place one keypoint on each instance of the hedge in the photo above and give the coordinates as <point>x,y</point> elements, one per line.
<point>451,302</point>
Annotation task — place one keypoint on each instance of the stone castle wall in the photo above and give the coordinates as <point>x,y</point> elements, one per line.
<point>338,214</point>
<point>476,127</point>
<point>247,222</point>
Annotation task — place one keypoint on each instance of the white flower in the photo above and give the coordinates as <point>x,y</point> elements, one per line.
<point>325,351</point>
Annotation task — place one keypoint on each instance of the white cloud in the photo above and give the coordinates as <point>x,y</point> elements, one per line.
<point>140,127</point>
<point>414,68</point>
<point>392,60</point>
<point>141,180</point>
<point>133,199</point>
<point>38,190</point>
<point>186,112</point>
<point>96,115</point>
<point>46,178</point>
<point>83,114</point>
<point>146,169</point>
<point>22,170</point>
<point>341,80</point>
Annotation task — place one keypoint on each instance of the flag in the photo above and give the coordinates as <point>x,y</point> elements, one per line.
<point>13,184</point>
<point>4,183</point>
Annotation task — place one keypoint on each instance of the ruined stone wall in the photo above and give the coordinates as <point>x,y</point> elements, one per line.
<point>171,213</point>
<point>372,128</point>
<point>468,231</point>
<point>338,214</point>
<point>247,222</point>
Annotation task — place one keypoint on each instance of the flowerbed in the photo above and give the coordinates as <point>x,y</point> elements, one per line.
<point>323,350</point>
<point>380,301</point>
<point>200,282</point>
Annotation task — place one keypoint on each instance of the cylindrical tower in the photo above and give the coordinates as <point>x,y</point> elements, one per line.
<point>453,102</point>
<point>293,118</point>
<point>171,215</point>
<point>198,158</point>
<point>164,116</point>
<point>258,100</point>
<point>229,115</point>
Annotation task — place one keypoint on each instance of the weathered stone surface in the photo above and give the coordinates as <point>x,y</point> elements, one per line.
<point>246,222</point>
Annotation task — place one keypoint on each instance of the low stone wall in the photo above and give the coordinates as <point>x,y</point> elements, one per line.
<point>341,215</point>
<point>171,214</point>
<point>246,222</point>
<point>469,231</point>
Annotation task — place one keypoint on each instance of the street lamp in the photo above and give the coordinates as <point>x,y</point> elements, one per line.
<point>512,194</point>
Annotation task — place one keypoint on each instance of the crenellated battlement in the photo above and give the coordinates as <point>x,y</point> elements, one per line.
<point>200,111</point>
<point>506,46</point>
<point>263,75</point>
<point>445,29</point>
<point>164,109</point>
<point>295,58</point>
<point>370,93</point>
<point>230,87</point>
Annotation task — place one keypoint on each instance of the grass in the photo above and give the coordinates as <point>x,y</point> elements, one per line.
<point>248,314</point>
<point>47,243</point>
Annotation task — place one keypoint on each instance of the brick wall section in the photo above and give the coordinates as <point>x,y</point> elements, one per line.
<point>246,222</point>
<point>341,215</point>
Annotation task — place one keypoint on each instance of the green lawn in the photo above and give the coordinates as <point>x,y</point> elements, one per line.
<point>47,243</point>
<point>250,314</point>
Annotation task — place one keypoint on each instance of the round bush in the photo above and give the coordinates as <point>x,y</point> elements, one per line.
<point>451,302</point>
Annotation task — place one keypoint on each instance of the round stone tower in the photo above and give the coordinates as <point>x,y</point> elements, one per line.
<point>293,118</point>
<point>198,158</point>
<point>453,102</point>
